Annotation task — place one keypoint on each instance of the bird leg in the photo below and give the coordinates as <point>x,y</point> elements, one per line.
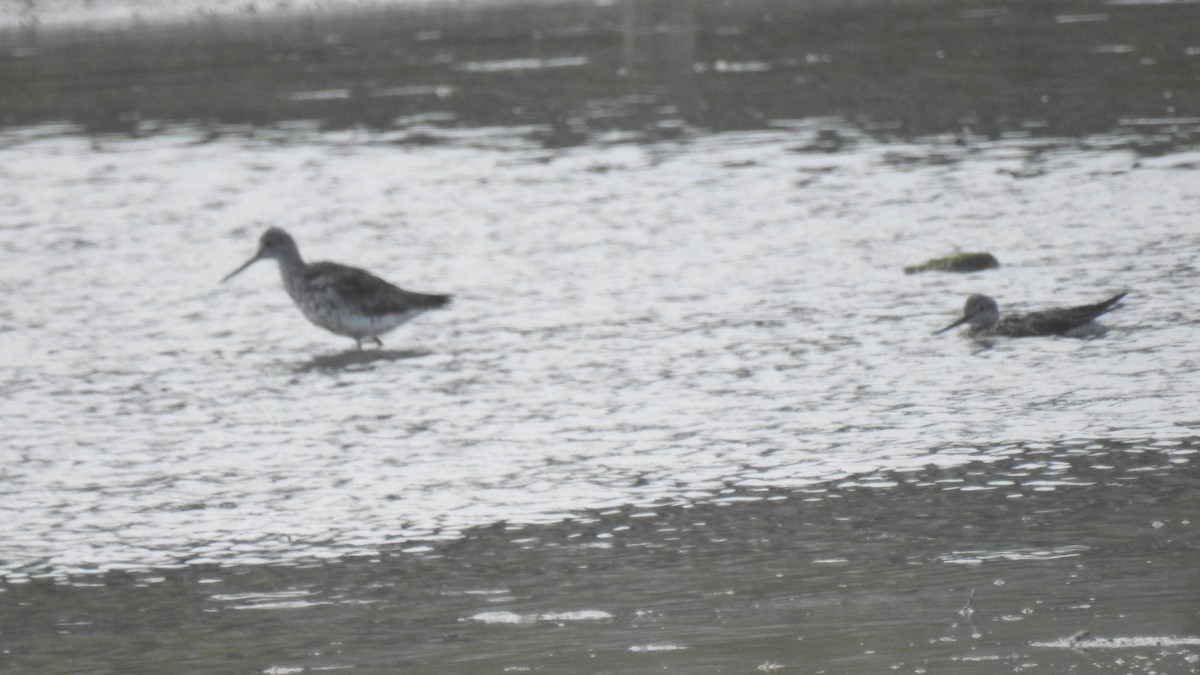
<point>377,341</point>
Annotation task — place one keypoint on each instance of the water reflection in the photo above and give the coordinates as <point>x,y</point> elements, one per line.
<point>641,66</point>
<point>346,359</point>
<point>660,63</point>
<point>660,39</point>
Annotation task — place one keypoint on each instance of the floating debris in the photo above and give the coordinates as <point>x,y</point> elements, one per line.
<point>967,610</point>
<point>959,262</point>
<point>1086,641</point>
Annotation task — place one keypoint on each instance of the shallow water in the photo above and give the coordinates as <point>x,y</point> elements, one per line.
<point>632,323</point>
<point>672,326</point>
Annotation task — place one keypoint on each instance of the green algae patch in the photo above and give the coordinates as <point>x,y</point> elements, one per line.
<point>959,262</point>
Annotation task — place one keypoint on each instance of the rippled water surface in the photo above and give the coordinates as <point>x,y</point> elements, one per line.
<point>668,326</point>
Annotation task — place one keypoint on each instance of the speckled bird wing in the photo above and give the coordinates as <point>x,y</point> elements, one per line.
<point>1054,321</point>
<point>1049,322</point>
<point>368,293</point>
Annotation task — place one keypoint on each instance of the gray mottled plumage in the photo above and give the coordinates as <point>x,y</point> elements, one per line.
<point>339,298</point>
<point>982,314</point>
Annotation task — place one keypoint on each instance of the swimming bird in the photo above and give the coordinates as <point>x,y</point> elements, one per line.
<point>983,315</point>
<point>339,298</point>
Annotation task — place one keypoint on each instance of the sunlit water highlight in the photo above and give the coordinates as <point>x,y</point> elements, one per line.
<point>633,324</point>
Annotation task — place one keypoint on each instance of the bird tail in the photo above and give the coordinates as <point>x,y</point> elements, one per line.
<point>1109,304</point>
<point>433,301</point>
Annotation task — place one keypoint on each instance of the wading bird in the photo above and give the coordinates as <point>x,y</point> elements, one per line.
<point>983,316</point>
<point>341,299</point>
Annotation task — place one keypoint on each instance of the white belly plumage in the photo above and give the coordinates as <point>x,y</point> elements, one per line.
<point>327,310</point>
<point>353,324</point>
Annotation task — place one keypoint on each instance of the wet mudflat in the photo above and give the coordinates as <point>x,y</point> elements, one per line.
<point>686,412</point>
<point>978,569</point>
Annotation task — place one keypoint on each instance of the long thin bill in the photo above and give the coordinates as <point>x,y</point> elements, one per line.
<point>244,266</point>
<point>937,332</point>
